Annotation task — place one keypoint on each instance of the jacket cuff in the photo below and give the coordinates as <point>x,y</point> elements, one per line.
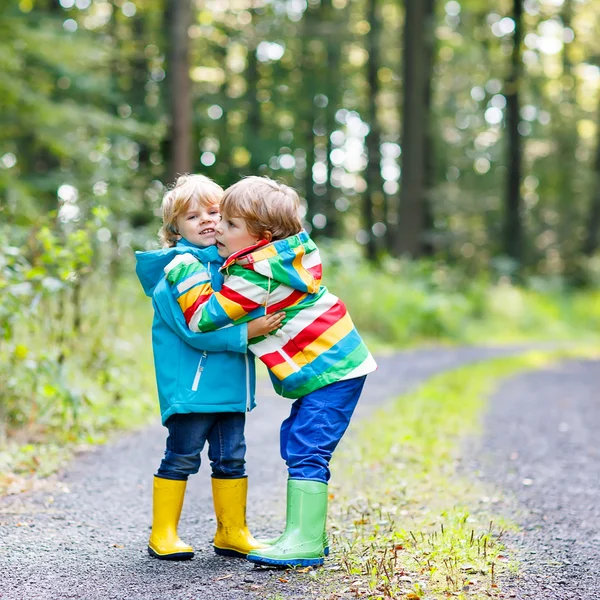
<point>238,339</point>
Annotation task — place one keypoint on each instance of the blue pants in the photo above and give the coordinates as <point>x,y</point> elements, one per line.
<point>315,427</point>
<point>187,435</point>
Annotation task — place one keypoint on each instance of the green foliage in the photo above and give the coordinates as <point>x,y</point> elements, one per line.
<point>404,303</point>
<point>65,381</point>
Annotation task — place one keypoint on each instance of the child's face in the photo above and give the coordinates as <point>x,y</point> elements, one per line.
<point>233,235</point>
<point>197,224</point>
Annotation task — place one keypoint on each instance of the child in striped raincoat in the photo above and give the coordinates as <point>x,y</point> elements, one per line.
<point>316,358</point>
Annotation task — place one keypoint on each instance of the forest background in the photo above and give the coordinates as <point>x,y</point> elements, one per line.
<point>448,155</point>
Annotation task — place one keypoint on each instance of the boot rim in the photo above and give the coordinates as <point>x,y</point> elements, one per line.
<point>171,555</point>
<point>286,562</point>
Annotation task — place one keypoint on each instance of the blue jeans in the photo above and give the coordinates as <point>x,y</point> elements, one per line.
<point>315,427</point>
<point>187,435</point>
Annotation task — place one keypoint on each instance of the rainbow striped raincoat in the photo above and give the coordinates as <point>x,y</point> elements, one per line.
<point>317,343</point>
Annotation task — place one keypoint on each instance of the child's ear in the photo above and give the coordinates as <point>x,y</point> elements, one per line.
<point>267,235</point>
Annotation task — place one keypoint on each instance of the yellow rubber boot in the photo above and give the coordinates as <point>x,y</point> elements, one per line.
<point>167,501</point>
<point>232,537</point>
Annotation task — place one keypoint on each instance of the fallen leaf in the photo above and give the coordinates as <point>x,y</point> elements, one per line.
<point>412,596</point>
<point>305,570</point>
<point>282,580</point>
<point>224,577</point>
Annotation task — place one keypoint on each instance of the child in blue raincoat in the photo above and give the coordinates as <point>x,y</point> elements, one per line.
<point>198,404</point>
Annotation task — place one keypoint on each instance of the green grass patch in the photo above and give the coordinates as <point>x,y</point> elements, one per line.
<point>405,524</point>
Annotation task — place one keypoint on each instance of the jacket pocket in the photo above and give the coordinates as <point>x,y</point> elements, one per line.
<point>199,371</point>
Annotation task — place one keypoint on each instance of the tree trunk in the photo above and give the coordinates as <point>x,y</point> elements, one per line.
<point>253,109</point>
<point>409,231</point>
<point>374,192</point>
<point>332,86</point>
<point>513,226</point>
<point>179,17</point>
<point>307,110</point>
<point>590,246</point>
<point>427,244</point>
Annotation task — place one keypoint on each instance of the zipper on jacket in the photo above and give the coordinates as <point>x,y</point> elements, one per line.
<point>199,371</point>
<point>289,360</point>
<point>247,383</point>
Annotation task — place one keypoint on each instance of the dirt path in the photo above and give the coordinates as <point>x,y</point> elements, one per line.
<point>542,449</point>
<point>85,537</point>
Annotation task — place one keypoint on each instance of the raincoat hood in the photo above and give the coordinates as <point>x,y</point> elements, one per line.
<point>150,265</point>
<point>293,261</point>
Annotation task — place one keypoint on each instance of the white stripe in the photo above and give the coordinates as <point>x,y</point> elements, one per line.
<point>367,366</point>
<point>272,343</point>
<point>264,268</point>
<point>193,324</point>
<point>280,293</point>
<point>311,260</point>
<point>185,259</point>
<point>245,288</point>
<point>304,318</point>
<point>190,282</point>
<point>307,316</point>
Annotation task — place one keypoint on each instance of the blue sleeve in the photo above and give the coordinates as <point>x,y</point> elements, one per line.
<point>228,339</point>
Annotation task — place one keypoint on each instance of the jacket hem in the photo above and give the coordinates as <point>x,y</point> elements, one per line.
<point>185,409</point>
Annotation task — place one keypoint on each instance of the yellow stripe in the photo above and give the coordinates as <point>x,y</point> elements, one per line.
<point>186,300</point>
<point>326,340</point>
<point>267,252</point>
<point>297,264</point>
<point>233,309</point>
<point>282,370</point>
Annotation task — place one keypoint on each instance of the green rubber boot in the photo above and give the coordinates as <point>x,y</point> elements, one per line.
<point>271,541</point>
<point>301,544</point>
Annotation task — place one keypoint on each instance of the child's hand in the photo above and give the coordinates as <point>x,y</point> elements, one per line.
<point>264,325</point>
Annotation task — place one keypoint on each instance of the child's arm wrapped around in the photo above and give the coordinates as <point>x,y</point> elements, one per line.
<point>229,339</point>
<point>205,310</point>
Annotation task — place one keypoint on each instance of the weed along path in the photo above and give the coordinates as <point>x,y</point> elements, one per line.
<point>83,534</point>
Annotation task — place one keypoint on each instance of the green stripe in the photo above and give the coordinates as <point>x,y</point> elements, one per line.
<point>333,374</point>
<point>280,270</point>
<point>183,271</point>
<point>251,276</point>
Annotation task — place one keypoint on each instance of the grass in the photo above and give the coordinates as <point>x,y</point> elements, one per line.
<point>405,523</point>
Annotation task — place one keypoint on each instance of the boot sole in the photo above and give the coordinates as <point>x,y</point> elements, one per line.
<point>290,562</point>
<point>229,553</point>
<point>174,556</point>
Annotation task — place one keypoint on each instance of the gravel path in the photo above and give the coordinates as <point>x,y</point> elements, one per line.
<point>84,535</point>
<point>542,448</point>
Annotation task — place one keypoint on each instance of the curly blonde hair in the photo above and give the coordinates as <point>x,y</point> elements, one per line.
<point>265,205</point>
<point>188,189</point>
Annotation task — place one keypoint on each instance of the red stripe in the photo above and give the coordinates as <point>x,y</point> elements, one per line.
<point>272,359</point>
<point>247,304</point>
<point>189,313</point>
<point>316,328</point>
<point>293,297</point>
<point>316,271</point>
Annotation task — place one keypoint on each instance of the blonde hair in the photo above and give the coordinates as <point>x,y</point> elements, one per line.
<point>265,205</point>
<point>188,189</point>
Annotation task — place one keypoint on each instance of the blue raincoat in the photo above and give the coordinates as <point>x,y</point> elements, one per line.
<point>195,373</point>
